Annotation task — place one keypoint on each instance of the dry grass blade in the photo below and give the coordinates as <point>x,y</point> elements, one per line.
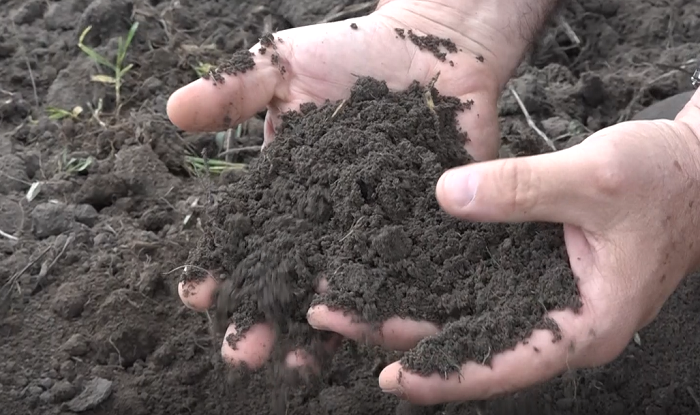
<point>337,110</point>
<point>573,37</point>
<point>6,295</point>
<point>530,121</point>
<point>8,236</point>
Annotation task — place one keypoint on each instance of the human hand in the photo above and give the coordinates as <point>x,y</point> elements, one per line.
<point>322,62</point>
<point>627,197</point>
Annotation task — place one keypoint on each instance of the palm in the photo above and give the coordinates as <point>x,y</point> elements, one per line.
<point>320,62</point>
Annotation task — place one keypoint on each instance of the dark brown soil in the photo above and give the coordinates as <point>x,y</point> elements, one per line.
<point>346,192</point>
<point>92,312</point>
<point>241,62</point>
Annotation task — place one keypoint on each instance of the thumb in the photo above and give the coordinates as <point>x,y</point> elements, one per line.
<point>213,105</point>
<point>552,187</point>
<point>690,114</point>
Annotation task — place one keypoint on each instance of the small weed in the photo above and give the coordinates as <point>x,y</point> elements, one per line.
<point>203,68</point>
<point>59,113</point>
<point>75,164</point>
<point>199,166</point>
<point>118,68</point>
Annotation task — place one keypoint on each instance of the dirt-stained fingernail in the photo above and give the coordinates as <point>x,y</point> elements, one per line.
<point>312,317</point>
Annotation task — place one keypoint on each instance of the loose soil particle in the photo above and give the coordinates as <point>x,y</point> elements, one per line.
<point>346,192</point>
<point>241,62</point>
<point>430,43</point>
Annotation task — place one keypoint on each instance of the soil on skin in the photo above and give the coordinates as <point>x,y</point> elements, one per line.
<point>241,62</point>
<point>92,323</point>
<point>346,192</point>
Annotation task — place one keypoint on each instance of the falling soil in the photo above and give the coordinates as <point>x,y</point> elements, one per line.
<point>346,192</point>
<point>92,321</point>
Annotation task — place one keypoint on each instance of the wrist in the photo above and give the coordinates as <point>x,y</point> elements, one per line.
<point>501,31</point>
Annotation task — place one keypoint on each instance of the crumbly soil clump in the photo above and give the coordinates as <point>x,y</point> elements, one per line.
<point>346,193</point>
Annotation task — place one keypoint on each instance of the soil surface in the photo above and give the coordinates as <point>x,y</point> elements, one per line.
<point>90,321</point>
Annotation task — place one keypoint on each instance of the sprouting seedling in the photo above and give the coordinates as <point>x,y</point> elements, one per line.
<point>200,166</point>
<point>118,68</point>
<point>75,164</point>
<point>203,68</point>
<point>60,113</point>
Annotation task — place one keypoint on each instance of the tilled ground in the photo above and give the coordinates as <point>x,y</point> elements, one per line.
<point>89,316</point>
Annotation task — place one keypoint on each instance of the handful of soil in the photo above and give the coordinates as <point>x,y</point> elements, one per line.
<point>346,192</point>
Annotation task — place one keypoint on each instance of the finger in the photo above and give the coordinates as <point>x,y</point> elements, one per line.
<point>270,126</point>
<point>529,363</point>
<point>690,114</point>
<point>199,294</point>
<point>551,187</point>
<point>207,105</point>
<point>395,333</point>
<point>300,358</point>
<point>252,348</point>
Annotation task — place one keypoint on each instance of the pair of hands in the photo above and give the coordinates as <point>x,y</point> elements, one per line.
<point>626,195</point>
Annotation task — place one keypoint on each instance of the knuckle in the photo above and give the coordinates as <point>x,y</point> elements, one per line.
<point>520,185</point>
<point>608,175</point>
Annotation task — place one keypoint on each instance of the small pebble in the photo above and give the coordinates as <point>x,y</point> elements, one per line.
<point>46,383</point>
<point>76,345</point>
<point>34,390</point>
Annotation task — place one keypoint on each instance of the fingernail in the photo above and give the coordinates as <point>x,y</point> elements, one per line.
<point>312,320</point>
<point>395,392</point>
<point>460,187</point>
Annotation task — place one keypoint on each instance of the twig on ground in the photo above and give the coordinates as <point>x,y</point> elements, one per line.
<point>7,295</point>
<point>16,179</point>
<point>568,30</point>
<point>119,353</point>
<point>8,236</point>
<point>530,121</point>
<point>227,143</point>
<point>336,14</point>
<point>31,78</point>
<point>26,267</point>
<point>46,266</point>
<point>337,110</point>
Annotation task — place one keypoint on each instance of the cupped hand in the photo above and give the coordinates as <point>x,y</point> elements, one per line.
<point>322,62</point>
<point>628,198</point>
